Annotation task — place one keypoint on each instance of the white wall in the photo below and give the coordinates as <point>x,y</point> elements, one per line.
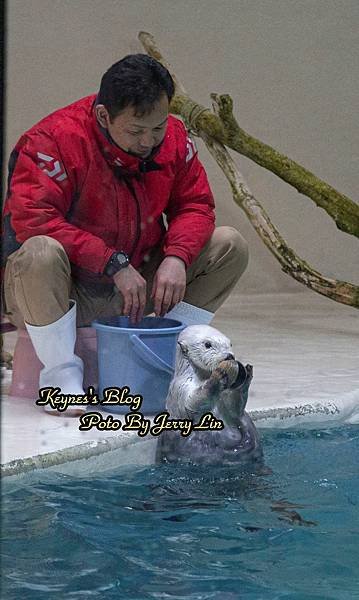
<point>290,66</point>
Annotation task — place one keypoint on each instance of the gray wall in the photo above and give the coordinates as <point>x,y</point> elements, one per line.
<point>290,66</point>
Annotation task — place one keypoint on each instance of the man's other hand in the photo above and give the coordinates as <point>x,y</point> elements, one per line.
<point>133,289</point>
<point>169,285</point>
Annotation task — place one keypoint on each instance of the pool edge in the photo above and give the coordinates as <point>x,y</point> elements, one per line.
<point>91,449</point>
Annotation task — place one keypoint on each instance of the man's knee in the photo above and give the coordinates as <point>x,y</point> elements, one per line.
<point>232,244</point>
<point>38,254</point>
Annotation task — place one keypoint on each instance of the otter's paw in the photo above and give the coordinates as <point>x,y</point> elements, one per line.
<point>226,373</point>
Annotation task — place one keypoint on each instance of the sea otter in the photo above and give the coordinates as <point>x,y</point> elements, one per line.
<point>207,378</point>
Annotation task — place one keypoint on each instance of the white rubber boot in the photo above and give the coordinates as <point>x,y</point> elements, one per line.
<point>54,345</point>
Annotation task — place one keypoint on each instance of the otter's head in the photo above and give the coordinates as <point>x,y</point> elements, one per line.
<point>204,347</point>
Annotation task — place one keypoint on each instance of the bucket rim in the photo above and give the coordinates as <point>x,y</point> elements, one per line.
<point>96,324</point>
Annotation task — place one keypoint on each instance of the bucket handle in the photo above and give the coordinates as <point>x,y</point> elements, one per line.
<point>149,356</point>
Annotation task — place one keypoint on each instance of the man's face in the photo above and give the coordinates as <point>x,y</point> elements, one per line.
<point>138,135</point>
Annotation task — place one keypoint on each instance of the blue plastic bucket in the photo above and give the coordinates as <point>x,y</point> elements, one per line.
<point>140,357</point>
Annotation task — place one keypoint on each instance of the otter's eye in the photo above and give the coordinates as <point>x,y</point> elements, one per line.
<point>208,344</point>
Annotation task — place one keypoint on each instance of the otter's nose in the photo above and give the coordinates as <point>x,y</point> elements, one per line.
<point>229,357</point>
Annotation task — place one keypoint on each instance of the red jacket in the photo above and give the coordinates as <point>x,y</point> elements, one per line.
<point>70,181</point>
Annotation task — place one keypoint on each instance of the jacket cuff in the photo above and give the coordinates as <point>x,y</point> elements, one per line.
<point>179,253</point>
<point>108,254</point>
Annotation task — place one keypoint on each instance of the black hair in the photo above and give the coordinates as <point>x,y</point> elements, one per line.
<point>136,80</point>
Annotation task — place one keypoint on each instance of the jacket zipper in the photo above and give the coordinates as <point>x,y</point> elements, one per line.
<point>138,234</point>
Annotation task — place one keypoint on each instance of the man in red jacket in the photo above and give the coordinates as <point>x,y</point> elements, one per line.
<point>84,231</point>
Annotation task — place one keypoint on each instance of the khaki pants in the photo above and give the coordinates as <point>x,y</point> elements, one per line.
<point>38,283</point>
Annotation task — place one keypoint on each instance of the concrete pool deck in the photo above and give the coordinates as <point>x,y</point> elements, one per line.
<point>305,352</point>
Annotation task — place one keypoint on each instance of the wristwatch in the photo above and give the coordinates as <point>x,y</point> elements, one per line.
<point>118,261</point>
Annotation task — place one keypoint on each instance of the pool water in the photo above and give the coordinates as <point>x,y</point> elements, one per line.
<point>290,531</point>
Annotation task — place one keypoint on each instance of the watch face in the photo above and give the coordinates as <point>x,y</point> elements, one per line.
<point>122,259</point>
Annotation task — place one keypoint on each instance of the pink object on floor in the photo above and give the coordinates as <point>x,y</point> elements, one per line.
<point>26,366</point>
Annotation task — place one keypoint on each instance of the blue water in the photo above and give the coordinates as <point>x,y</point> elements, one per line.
<point>192,533</point>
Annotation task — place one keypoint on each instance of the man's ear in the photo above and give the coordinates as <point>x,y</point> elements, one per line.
<point>183,347</point>
<point>102,115</point>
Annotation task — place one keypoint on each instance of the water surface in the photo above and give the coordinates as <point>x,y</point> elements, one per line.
<point>192,533</point>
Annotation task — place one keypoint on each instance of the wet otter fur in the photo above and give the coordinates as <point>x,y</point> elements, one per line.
<point>207,378</point>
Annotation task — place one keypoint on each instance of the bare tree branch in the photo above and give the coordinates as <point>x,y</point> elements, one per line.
<point>193,113</point>
<point>224,128</point>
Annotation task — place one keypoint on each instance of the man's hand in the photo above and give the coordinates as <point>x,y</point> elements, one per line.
<point>133,289</point>
<point>169,285</point>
